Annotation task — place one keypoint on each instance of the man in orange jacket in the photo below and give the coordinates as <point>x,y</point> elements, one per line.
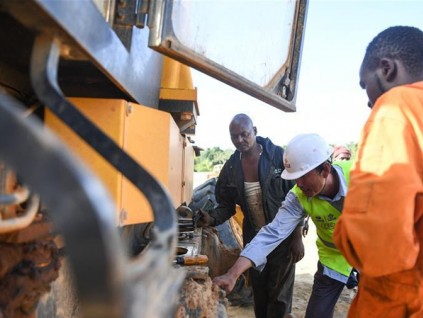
<point>380,231</point>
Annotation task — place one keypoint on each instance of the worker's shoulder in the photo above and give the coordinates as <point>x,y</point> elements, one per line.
<point>404,93</point>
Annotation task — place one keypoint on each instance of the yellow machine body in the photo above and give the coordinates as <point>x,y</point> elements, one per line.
<point>149,135</point>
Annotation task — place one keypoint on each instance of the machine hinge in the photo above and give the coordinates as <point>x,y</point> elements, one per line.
<point>283,89</point>
<point>131,13</point>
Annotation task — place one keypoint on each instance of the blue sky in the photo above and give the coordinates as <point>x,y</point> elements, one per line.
<point>329,101</point>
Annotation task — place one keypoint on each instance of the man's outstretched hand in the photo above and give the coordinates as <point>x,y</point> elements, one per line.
<point>202,219</point>
<point>226,282</point>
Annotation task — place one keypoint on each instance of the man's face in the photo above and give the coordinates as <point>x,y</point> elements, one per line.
<point>311,183</point>
<point>372,83</point>
<point>243,136</point>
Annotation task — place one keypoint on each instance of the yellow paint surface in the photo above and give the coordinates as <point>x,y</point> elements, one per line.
<point>148,135</point>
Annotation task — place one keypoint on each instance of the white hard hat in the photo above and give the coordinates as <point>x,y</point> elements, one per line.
<point>304,153</point>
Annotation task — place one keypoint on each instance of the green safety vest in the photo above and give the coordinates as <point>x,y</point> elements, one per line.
<point>325,216</point>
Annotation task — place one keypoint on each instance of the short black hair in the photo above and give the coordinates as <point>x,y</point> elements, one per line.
<point>320,167</point>
<point>404,43</point>
<point>243,118</point>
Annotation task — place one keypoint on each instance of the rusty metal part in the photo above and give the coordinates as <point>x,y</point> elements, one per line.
<point>37,229</point>
<point>26,271</point>
<point>10,256</point>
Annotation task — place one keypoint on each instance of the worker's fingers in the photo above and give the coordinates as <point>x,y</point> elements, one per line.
<point>201,218</point>
<point>224,282</point>
<point>221,283</point>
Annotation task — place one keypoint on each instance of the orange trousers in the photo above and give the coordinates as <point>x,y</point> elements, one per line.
<point>398,295</point>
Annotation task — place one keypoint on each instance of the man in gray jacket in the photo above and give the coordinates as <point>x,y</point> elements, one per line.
<point>251,178</point>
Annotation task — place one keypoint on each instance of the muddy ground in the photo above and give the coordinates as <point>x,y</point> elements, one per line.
<point>305,270</point>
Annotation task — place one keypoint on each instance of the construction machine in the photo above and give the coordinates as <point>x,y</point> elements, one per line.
<point>97,114</point>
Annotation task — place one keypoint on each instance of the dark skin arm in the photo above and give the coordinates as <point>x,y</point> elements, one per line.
<point>227,281</point>
<point>297,246</point>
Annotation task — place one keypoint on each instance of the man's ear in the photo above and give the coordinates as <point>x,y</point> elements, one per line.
<point>326,169</point>
<point>255,130</point>
<point>389,69</point>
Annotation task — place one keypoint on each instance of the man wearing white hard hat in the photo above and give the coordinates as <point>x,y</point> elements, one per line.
<point>319,192</point>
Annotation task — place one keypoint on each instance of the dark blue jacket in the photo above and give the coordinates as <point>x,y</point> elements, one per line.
<point>230,187</point>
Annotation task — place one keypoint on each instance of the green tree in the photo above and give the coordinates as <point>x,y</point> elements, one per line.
<point>211,157</point>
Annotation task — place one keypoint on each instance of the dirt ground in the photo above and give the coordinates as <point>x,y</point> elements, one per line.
<point>305,270</point>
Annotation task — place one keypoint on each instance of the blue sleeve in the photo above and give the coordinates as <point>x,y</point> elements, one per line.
<point>290,214</point>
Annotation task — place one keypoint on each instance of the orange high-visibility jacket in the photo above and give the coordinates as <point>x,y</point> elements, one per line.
<point>380,231</point>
